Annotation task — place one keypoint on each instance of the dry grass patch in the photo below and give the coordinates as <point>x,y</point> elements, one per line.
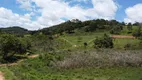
<point>103,58</point>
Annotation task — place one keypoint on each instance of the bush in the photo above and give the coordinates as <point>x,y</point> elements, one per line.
<point>104,42</point>
<point>43,43</point>
<point>116,30</point>
<point>10,45</point>
<point>138,33</point>
<point>128,46</point>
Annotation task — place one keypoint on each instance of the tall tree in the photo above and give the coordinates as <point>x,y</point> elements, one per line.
<point>129,27</point>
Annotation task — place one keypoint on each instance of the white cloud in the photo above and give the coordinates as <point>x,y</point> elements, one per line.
<point>105,8</point>
<point>52,12</point>
<point>25,4</point>
<point>101,9</point>
<point>134,13</point>
<point>85,1</point>
<point>8,18</point>
<point>56,9</point>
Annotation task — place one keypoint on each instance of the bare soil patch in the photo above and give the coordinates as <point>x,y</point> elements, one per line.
<point>33,56</point>
<point>1,76</point>
<point>123,37</point>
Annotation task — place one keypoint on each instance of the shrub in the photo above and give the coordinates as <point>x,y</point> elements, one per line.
<point>104,42</point>
<point>127,46</point>
<point>137,33</point>
<point>116,29</point>
<point>85,44</point>
<point>130,46</point>
<point>43,43</point>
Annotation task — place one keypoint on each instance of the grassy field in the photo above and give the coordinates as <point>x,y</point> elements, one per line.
<point>8,74</point>
<point>123,73</point>
<point>69,61</point>
<point>120,43</point>
<point>79,40</point>
<point>125,31</point>
<point>37,69</point>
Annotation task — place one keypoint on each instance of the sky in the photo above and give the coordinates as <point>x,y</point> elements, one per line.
<point>38,14</point>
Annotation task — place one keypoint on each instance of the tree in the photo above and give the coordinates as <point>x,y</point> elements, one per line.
<point>116,29</point>
<point>43,43</point>
<point>138,32</point>
<point>85,44</point>
<point>129,26</point>
<point>136,24</point>
<point>10,45</point>
<point>0,31</point>
<point>123,24</point>
<point>91,27</point>
<point>113,22</point>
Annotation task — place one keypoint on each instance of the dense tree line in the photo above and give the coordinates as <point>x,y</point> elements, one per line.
<point>113,26</point>
<point>67,27</point>
<point>87,26</point>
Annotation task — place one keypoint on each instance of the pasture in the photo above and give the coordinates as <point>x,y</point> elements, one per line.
<point>79,40</point>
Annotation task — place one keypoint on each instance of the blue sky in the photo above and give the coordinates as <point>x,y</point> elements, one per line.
<point>36,14</point>
<point>123,6</point>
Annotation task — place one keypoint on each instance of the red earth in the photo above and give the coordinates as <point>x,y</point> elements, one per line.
<point>122,37</point>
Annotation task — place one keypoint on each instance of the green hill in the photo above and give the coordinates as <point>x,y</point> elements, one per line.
<point>14,30</point>
<point>76,25</point>
<point>73,50</point>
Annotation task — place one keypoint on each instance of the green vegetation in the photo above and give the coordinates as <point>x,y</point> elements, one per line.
<point>73,50</point>
<point>15,30</point>
<point>104,42</point>
<point>121,43</point>
<point>11,45</point>
<point>85,37</point>
<point>124,73</point>
<point>79,65</point>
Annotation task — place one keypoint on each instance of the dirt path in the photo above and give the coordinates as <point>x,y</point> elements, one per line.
<point>33,56</point>
<point>16,63</point>
<point>1,76</point>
